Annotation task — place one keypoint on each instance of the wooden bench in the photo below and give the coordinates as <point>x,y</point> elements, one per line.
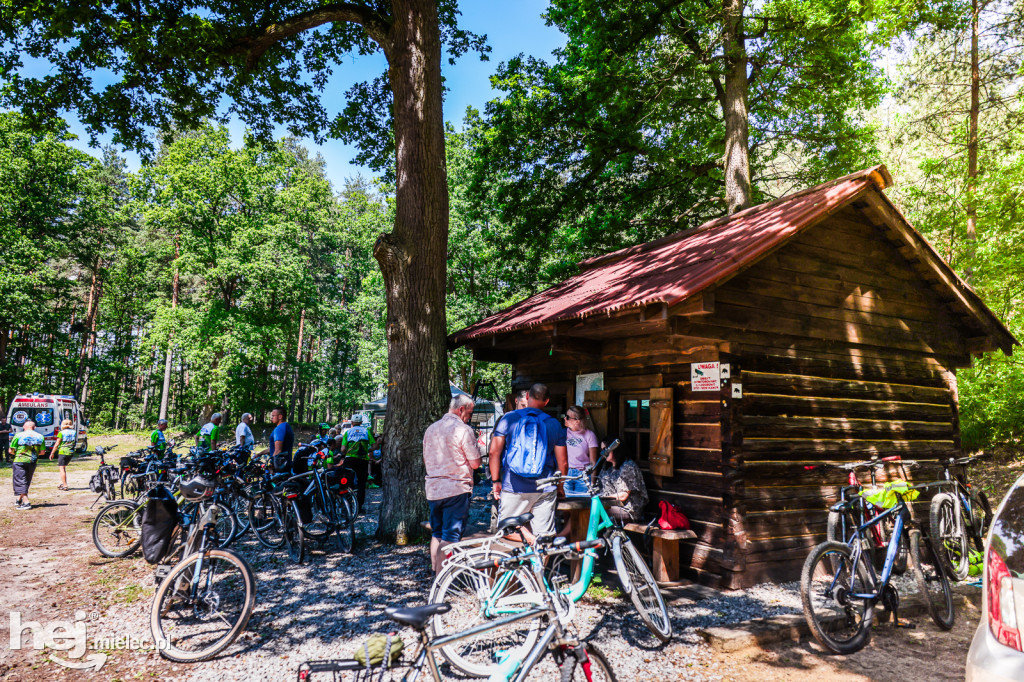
<point>665,555</point>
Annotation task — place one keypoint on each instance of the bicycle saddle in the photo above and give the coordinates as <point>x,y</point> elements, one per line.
<point>513,521</point>
<point>416,617</point>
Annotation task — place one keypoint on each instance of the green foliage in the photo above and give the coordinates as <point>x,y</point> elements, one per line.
<point>620,139</point>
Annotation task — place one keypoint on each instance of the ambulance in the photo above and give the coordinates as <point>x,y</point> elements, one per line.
<point>48,411</point>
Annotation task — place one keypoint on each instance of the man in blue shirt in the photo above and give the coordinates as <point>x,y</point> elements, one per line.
<point>518,494</point>
<point>282,440</point>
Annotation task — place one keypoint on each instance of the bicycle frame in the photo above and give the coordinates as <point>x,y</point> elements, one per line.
<point>901,512</point>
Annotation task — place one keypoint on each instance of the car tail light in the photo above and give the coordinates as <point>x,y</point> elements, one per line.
<point>1002,607</point>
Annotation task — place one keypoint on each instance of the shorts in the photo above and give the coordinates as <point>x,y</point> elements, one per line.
<point>22,473</point>
<point>448,517</point>
<point>541,505</point>
<point>63,460</point>
<point>575,488</point>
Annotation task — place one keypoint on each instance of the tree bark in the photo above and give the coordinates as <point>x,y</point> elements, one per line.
<point>90,331</point>
<point>734,109</point>
<point>412,259</point>
<point>165,394</point>
<point>298,363</point>
<point>972,143</point>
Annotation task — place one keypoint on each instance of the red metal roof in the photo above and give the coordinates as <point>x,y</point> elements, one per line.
<point>676,267</point>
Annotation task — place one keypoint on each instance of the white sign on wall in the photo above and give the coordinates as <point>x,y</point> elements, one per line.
<point>588,382</point>
<point>705,376</point>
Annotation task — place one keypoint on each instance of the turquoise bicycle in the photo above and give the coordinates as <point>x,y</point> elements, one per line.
<point>478,595</point>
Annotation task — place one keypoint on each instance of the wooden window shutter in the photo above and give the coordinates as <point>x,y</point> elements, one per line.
<point>597,403</point>
<point>660,457</point>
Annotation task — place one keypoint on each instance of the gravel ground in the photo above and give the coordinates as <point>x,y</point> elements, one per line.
<point>322,609</point>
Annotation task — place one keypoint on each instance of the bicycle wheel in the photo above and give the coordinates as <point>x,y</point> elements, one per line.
<point>476,597</point>
<point>266,520</point>
<point>227,525</point>
<point>573,669</point>
<point>840,623</point>
<point>345,524</point>
<point>321,519</point>
<point>187,628</point>
<point>130,488</point>
<point>949,531</point>
<point>982,512</point>
<point>293,539</point>
<point>240,501</point>
<point>641,588</point>
<point>117,530</point>
<point>931,581</point>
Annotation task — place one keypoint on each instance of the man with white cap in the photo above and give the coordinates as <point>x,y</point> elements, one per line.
<point>210,433</point>
<point>356,445</point>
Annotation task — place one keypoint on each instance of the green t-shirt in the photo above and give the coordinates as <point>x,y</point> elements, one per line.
<point>68,439</point>
<point>158,440</point>
<point>358,441</point>
<point>28,445</point>
<point>209,434</point>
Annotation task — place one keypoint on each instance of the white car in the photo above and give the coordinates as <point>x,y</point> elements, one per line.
<point>997,650</point>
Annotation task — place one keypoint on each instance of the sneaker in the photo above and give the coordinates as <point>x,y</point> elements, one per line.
<point>23,506</point>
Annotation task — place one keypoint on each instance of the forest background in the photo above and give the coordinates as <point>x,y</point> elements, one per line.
<point>232,275</point>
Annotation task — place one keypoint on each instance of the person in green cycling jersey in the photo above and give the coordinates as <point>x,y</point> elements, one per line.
<point>322,431</point>
<point>157,439</point>
<point>357,444</point>
<point>210,433</point>
<point>67,439</point>
<point>26,446</point>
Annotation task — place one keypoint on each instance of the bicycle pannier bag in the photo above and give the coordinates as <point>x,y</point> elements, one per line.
<point>528,451</point>
<point>96,483</point>
<point>671,518</point>
<point>159,519</point>
<point>377,648</point>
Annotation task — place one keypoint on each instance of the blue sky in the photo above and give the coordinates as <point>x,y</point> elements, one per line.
<point>511,28</point>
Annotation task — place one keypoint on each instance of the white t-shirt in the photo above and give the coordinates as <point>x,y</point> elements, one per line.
<point>243,435</point>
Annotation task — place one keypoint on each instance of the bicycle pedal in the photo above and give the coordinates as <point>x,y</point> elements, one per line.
<point>904,623</point>
<point>160,572</point>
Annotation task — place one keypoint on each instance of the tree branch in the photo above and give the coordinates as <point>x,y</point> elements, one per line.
<point>375,26</point>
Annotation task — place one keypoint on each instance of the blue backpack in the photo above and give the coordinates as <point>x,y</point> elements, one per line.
<point>528,446</point>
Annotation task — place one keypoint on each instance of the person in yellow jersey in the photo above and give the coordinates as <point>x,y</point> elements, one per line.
<point>65,448</point>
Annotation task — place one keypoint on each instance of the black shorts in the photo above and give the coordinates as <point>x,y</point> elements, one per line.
<point>63,460</point>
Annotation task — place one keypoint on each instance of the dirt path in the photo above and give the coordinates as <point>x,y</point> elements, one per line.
<point>51,571</point>
<point>923,653</point>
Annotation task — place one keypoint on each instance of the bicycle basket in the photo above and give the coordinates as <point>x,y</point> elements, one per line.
<point>885,496</point>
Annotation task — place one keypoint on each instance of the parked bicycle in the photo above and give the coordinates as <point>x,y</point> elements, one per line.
<point>478,596</point>
<point>840,525</point>
<point>551,618</point>
<point>206,598</point>
<point>106,481</point>
<point>840,588</point>
<point>959,518</point>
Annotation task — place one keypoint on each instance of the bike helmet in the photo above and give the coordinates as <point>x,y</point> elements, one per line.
<point>325,426</point>
<point>197,488</point>
<point>357,419</point>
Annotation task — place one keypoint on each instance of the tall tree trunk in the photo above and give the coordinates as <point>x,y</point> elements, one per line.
<point>298,363</point>
<point>164,397</point>
<point>90,330</point>
<point>734,109</point>
<point>412,259</point>
<point>83,368</point>
<point>972,140</point>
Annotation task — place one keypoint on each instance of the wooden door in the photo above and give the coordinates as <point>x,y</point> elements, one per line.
<point>597,403</point>
<point>660,457</point>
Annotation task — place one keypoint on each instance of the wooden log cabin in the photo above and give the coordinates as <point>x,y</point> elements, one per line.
<point>837,330</point>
